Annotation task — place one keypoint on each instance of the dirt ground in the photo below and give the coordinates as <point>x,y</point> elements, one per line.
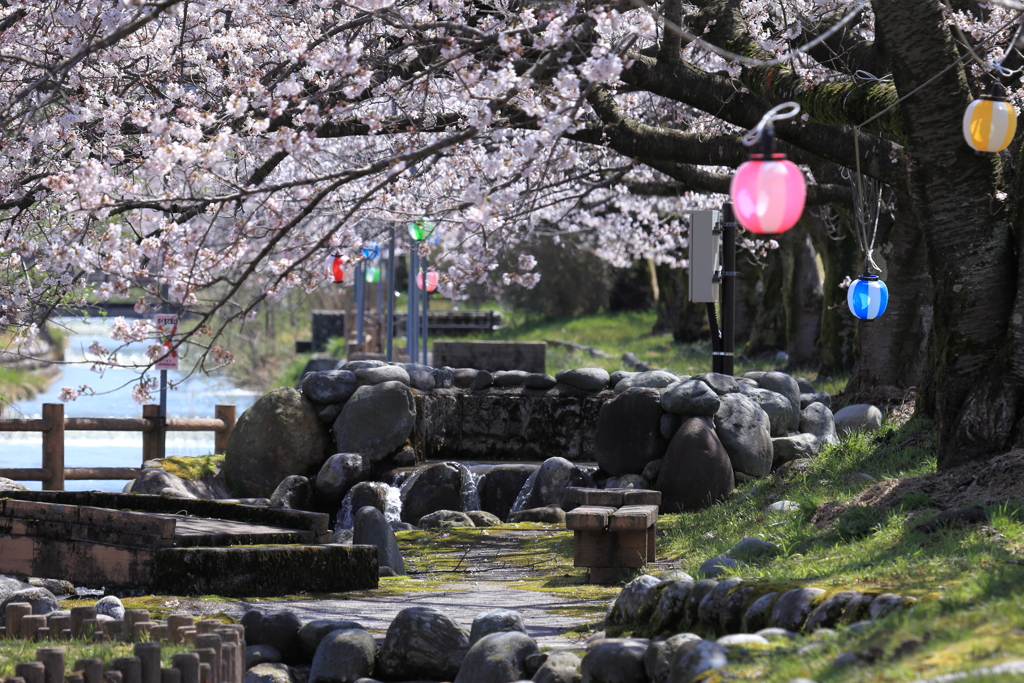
<point>991,481</point>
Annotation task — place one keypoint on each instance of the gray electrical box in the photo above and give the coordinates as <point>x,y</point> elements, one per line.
<point>705,256</point>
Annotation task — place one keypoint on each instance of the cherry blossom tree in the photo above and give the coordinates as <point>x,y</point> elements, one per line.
<point>211,153</point>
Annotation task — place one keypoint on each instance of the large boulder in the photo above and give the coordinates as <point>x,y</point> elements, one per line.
<point>554,477</point>
<point>371,528</point>
<point>614,661</point>
<point>343,657</point>
<point>278,436</point>
<point>631,601</point>
<point>587,379</point>
<point>158,481</point>
<point>377,420</point>
<point>559,666</point>
<point>340,473</point>
<point>629,431</point>
<point>744,430</point>
<point>279,629</point>
<point>860,417</point>
<point>497,658</point>
<point>696,472</point>
<point>652,379</point>
<point>788,448</point>
<point>692,397</point>
<point>783,384</point>
<point>312,632</point>
<point>11,485</point>
<point>293,493</point>
<point>782,416</point>
<point>817,419</point>
<point>42,600</point>
<point>331,386</point>
<point>436,487</point>
<point>495,621</point>
<point>422,643</point>
<point>500,487</point>
<point>383,373</point>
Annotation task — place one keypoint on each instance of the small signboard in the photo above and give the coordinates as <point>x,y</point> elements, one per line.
<point>167,326</point>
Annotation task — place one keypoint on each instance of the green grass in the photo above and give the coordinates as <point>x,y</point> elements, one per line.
<point>192,467</point>
<point>617,333</point>
<point>14,652</point>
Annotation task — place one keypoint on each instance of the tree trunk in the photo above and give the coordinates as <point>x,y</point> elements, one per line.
<point>840,258</point>
<point>893,348</point>
<point>687,321</point>
<point>806,299</point>
<point>973,386</point>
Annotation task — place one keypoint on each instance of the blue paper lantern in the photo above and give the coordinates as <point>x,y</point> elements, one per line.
<point>868,297</point>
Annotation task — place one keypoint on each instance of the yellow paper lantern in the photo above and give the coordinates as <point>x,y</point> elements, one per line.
<point>990,122</point>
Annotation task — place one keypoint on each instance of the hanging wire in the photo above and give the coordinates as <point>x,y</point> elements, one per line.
<point>786,110</point>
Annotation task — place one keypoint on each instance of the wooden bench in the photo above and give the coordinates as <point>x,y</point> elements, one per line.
<point>613,529</point>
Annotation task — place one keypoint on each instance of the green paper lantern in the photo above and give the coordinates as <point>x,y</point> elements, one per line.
<point>372,274</point>
<point>420,229</point>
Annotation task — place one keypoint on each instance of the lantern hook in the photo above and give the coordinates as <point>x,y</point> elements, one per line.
<point>786,110</point>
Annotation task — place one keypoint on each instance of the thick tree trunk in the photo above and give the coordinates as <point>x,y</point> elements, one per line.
<point>840,258</point>
<point>687,321</point>
<point>893,349</point>
<point>789,305</point>
<point>972,388</point>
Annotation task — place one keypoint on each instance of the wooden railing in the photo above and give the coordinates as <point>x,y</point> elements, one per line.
<point>53,424</point>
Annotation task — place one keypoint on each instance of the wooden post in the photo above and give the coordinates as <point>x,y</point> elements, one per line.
<point>227,414</point>
<point>53,661</point>
<point>153,440</point>
<point>53,446</point>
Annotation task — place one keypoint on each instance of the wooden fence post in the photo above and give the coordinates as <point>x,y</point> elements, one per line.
<point>153,440</point>
<point>53,446</point>
<point>221,436</point>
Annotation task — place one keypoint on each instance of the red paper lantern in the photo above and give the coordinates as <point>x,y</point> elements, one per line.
<point>335,268</point>
<point>768,194</point>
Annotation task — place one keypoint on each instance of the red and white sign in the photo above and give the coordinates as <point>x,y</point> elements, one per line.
<point>167,326</point>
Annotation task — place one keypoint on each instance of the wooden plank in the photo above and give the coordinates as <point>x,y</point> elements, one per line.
<point>641,497</point>
<point>54,512</point>
<point>588,517</point>
<point>25,473</point>
<point>592,548</point>
<point>610,549</point>
<point>603,497</point>
<point>630,549</point>
<point>159,525</point>
<point>639,517</point>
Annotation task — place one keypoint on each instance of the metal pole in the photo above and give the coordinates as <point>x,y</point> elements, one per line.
<point>729,275</point>
<point>379,320</point>
<point>360,303</point>
<point>391,297</point>
<point>163,385</point>
<point>412,319</point>
<point>426,309</point>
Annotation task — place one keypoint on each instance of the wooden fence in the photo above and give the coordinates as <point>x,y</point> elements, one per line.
<point>53,424</point>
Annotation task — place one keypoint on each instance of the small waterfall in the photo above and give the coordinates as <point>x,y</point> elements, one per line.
<point>344,520</point>
<point>524,493</point>
<point>407,484</point>
<point>393,511</point>
<point>470,489</point>
<point>392,506</point>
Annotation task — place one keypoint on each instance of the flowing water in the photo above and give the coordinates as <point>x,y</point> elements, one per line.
<point>194,397</point>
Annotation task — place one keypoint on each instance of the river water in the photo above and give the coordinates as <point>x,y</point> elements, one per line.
<point>195,397</point>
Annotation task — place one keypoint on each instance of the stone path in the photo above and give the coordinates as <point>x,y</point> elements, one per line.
<point>488,567</point>
<point>461,603</point>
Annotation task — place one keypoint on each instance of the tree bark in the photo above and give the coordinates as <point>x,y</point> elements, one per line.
<point>687,321</point>
<point>893,348</point>
<point>973,386</point>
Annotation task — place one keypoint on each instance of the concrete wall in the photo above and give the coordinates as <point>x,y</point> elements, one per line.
<point>491,355</point>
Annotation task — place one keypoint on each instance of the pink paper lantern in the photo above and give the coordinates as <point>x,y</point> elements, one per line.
<point>768,195</point>
<point>432,280</point>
